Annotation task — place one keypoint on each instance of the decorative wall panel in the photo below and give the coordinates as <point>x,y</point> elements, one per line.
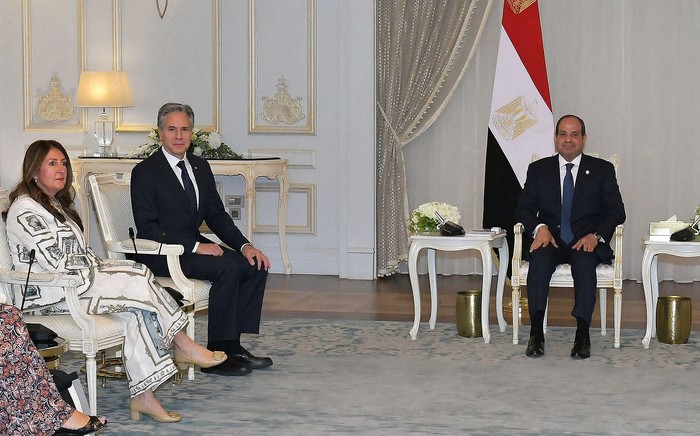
<point>170,59</point>
<point>296,158</point>
<point>301,208</point>
<point>52,67</point>
<point>282,62</point>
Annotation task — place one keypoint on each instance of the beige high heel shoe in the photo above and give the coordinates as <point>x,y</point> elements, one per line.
<point>137,409</point>
<point>183,360</point>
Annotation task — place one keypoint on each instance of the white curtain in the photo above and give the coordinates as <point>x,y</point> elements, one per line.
<point>423,49</point>
<point>630,69</point>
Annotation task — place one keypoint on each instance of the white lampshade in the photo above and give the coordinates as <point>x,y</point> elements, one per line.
<point>104,89</point>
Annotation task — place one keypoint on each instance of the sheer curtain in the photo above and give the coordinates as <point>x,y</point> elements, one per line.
<point>423,50</point>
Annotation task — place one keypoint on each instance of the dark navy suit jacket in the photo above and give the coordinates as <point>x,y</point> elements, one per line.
<point>597,205</point>
<point>161,211</point>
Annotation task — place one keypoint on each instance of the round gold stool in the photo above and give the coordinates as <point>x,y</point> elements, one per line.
<point>673,319</point>
<point>468,313</point>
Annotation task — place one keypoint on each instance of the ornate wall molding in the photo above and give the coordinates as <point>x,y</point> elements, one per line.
<point>296,158</point>
<point>289,70</point>
<point>296,190</point>
<point>48,65</point>
<point>55,105</point>
<point>191,74</point>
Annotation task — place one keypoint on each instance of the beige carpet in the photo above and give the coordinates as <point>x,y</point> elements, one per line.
<point>368,377</point>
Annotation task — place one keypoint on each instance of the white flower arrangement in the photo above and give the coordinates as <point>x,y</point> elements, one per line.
<point>424,220</point>
<point>205,144</point>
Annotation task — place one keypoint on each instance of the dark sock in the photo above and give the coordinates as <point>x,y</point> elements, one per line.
<point>582,328</point>
<point>537,323</point>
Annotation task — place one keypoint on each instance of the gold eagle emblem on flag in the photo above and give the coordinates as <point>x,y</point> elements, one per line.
<point>512,119</point>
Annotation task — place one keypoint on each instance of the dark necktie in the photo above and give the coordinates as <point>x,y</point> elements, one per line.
<point>189,187</point>
<point>567,235</point>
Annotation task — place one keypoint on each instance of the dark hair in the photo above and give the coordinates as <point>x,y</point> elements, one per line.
<point>175,107</point>
<point>583,125</point>
<point>33,159</point>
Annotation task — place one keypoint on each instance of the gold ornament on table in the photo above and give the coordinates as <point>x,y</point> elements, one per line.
<point>426,218</point>
<point>203,144</point>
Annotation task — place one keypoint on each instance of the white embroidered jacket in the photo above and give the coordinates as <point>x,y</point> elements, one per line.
<point>59,247</point>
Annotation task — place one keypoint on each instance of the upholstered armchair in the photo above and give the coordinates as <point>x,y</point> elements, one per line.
<point>608,276</point>
<point>111,194</point>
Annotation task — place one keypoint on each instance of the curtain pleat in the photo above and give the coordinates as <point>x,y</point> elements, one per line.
<point>423,48</point>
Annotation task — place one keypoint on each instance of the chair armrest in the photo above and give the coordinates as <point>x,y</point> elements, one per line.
<point>518,229</point>
<point>68,282</point>
<point>172,251</point>
<point>617,262</point>
<point>40,279</point>
<point>145,246</point>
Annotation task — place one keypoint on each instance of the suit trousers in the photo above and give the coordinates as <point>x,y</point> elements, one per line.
<point>236,294</point>
<point>543,263</point>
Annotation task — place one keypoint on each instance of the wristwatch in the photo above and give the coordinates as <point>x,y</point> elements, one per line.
<point>598,237</point>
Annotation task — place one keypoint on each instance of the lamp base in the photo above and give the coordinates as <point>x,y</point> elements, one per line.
<point>107,151</point>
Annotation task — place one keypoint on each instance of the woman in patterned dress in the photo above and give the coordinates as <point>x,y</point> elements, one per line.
<point>41,218</point>
<point>29,400</point>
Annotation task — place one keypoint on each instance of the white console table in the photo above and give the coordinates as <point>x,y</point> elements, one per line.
<point>249,169</point>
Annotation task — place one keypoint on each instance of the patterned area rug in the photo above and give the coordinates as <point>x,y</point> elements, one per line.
<point>369,377</point>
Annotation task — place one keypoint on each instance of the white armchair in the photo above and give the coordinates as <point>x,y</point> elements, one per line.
<point>84,333</point>
<point>111,194</point>
<point>608,276</point>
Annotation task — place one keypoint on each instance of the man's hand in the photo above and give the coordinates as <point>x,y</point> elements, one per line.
<point>587,243</point>
<point>543,238</point>
<point>209,249</point>
<point>255,256</point>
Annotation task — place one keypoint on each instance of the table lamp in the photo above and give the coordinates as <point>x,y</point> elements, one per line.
<point>104,89</point>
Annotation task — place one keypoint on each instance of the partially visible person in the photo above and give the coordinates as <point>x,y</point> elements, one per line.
<point>30,403</point>
<point>571,204</point>
<point>42,218</point>
<point>172,193</point>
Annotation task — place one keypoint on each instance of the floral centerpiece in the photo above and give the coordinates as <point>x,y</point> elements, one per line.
<point>205,144</point>
<point>424,220</point>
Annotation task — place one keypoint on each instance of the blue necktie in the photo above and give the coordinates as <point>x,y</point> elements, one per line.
<point>189,187</point>
<point>567,235</point>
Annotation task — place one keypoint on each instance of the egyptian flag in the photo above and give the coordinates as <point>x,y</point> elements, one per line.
<point>520,121</point>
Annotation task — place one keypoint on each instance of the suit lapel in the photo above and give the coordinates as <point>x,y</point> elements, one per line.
<point>169,174</point>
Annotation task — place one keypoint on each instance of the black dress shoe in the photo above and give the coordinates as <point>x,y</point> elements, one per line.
<point>582,348</point>
<point>230,367</point>
<point>245,357</point>
<point>535,346</point>
<point>93,425</point>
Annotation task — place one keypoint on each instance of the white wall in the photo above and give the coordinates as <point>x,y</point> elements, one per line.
<point>343,144</point>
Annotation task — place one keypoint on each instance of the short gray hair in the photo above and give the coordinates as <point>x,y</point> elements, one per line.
<point>175,107</point>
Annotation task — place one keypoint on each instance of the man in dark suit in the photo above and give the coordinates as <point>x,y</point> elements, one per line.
<point>572,221</point>
<point>172,193</point>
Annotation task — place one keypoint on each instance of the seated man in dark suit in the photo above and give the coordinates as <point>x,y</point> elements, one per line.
<point>570,204</point>
<point>172,193</point>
